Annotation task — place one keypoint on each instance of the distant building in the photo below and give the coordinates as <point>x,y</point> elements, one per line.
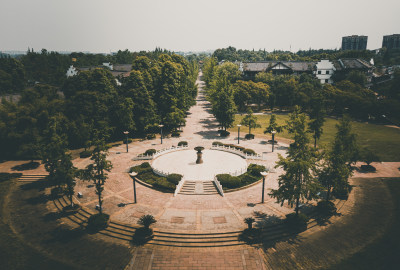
<point>250,69</point>
<point>72,71</point>
<point>324,71</point>
<point>391,41</point>
<point>108,65</point>
<point>345,65</point>
<point>357,43</point>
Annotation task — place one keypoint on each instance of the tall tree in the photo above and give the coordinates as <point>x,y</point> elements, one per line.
<point>317,119</point>
<point>65,174</point>
<point>97,171</point>
<point>273,125</point>
<point>250,120</point>
<point>298,182</point>
<point>224,109</point>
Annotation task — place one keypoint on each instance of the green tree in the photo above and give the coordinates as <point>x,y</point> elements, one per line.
<point>298,182</point>
<point>65,173</point>
<point>224,109</point>
<point>317,119</point>
<point>273,125</point>
<point>250,120</point>
<point>97,171</point>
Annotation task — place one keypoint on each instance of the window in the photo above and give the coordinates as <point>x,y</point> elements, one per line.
<point>319,71</point>
<point>327,80</point>
<point>327,72</point>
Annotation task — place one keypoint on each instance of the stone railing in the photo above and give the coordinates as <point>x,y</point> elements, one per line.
<point>219,186</point>
<point>160,173</point>
<point>160,152</point>
<point>179,186</point>
<point>239,172</point>
<point>236,151</point>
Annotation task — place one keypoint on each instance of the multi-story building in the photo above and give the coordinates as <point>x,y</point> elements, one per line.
<point>354,42</point>
<point>391,41</point>
<point>324,71</point>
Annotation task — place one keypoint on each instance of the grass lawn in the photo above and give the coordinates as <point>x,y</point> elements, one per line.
<point>384,141</point>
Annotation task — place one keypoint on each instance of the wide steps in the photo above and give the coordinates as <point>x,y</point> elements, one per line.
<point>198,188</point>
<point>29,178</point>
<point>196,240</point>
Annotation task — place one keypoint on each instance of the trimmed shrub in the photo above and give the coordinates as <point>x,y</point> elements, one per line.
<point>151,136</point>
<point>228,181</point>
<point>249,136</point>
<point>163,184</point>
<point>249,151</point>
<point>174,178</point>
<point>326,208</point>
<point>7,176</point>
<point>98,222</point>
<point>217,143</point>
<point>150,152</point>
<point>175,134</point>
<point>145,165</point>
<point>296,221</point>
<point>85,154</point>
<point>182,143</point>
<point>223,133</point>
<point>142,236</point>
<point>255,169</point>
<point>129,141</point>
<point>26,166</point>
<point>240,148</point>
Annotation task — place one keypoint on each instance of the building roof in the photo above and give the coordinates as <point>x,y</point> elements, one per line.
<point>123,67</point>
<point>297,66</point>
<point>351,63</point>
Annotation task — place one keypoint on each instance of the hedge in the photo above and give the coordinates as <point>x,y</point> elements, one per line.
<point>146,174</point>
<point>151,136</point>
<point>252,175</point>
<point>182,143</point>
<point>174,178</point>
<point>249,136</point>
<point>150,152</point>
<point>249,152</point>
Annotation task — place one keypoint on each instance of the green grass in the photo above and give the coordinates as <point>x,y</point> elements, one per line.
<point>384,141</point>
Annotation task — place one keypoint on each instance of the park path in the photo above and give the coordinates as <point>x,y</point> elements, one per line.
<point>200,123</point>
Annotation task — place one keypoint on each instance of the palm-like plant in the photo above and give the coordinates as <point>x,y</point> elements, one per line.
<point>249,221</point>
<point>146,221</point>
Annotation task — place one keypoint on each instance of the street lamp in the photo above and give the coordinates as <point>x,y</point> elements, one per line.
<point>126,133</point>
<point>134,174</point>
<point>264,174</point>
<point>273,139</point>
<point>161,126</point>
<point>239,133</point>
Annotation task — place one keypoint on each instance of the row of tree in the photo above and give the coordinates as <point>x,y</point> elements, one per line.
<point>157,91</point>
<point>307,171</point>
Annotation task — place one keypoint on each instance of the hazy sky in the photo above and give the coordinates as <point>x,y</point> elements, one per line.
<point>188,25</point>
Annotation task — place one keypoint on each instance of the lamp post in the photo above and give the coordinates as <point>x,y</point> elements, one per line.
<point>239,133</point>
<point>273,139</point>
<point>134,174</point>
<point>126,133</point>
<point>264,174</point>
<point>161,126</point>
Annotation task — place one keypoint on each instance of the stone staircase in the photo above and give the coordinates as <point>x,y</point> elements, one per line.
<point>29,178</point>
<point>198,188</point>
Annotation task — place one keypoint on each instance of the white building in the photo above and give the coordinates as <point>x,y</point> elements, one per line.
<point>109,66</point>
<point>72,71</point>
<point>324,71</point>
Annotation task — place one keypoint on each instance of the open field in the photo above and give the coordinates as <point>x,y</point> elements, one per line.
<point>384,141</point>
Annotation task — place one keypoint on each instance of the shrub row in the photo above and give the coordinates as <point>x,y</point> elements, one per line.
<point>237,147</point>
<point>252,175</point>
<point>146,174</point>
<point>182,143</point>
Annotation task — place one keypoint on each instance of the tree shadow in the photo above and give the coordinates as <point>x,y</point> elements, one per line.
<point>26,166</point>
<point>211,134</point>
<point>65,235</point>
<point>39,185</point>
<point>41,199</point>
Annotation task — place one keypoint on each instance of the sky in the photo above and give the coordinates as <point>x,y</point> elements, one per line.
<point>188,25</point>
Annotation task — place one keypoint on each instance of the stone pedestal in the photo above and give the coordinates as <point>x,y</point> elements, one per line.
<point>199,158</point>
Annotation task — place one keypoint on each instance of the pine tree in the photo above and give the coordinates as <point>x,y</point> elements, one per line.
<point>298,183</point>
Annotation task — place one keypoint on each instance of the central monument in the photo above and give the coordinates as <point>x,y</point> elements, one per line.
<point>199,154</point>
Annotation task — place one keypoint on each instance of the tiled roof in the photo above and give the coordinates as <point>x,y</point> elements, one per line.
<point>263,66</point>
<point>351,63</point>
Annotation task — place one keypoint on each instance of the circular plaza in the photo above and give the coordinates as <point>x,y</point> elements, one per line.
<point>215,162</point>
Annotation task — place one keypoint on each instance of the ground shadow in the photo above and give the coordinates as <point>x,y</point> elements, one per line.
<point>26,166</point>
